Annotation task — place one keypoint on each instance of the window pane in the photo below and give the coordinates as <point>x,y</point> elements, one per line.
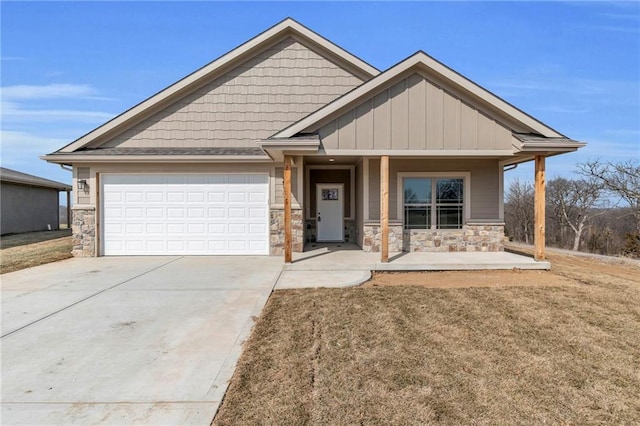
<point>417,191</point>
<point>449,217</point>
<point>449,191</point>
<point>417,217</point>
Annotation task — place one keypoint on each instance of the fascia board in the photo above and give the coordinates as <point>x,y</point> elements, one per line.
<point>70,158</point>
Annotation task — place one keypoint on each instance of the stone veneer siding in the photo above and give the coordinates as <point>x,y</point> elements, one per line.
<point>372,237</point>
<point>83,230</point>
<point>472,237</point>
<point>276,231</point>
<point>310,231</point>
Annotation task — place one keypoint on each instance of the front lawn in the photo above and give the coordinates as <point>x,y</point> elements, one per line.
<point>378,354</point>
<point>20,251</point>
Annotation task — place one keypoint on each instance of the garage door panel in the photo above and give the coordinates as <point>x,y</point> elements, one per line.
<point>185,214</point>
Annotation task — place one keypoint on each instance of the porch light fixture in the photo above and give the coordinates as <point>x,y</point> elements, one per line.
<point>331,160</point>
<point>82,184</point>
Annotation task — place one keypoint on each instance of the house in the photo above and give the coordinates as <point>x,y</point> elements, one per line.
<point>29,203</point>
<point>290,139</point>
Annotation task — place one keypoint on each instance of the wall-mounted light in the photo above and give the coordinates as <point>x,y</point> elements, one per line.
<point>82,184</point>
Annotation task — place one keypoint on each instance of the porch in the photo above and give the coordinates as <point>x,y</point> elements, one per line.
<point>350,257</point>
<point>458,226</point>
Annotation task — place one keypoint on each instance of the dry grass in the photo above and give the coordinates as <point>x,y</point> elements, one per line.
<point>564,354</point>
<point>22,251</point>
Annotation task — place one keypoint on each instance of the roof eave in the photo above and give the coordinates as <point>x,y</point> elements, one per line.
<point>38,185</point>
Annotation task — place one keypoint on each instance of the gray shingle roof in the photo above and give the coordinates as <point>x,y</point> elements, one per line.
<point>13,176</point>
<point>250,151</point>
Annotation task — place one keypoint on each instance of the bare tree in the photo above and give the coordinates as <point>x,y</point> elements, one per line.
<point>519,211</point>
<point>571,202</point>
<point>620,179</point>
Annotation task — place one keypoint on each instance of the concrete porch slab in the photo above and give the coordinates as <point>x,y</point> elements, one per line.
<point>349,257</point>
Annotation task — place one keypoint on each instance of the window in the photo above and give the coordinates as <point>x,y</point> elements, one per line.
<point>433,203</point>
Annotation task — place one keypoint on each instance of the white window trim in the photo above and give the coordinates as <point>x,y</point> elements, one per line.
<point>466,179</point>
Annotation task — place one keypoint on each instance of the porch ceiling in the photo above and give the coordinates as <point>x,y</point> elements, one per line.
<point>326,160</point>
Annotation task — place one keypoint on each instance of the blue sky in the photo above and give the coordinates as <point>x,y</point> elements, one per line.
<point>67,67</point>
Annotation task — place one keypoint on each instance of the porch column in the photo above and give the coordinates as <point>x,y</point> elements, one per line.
<point>384,208</point>
<point>539,225</point>
<point>287,209</point>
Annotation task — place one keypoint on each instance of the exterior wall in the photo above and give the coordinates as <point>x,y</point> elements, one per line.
<point>267,93</point>
<point>485,184</point>
<point>83,229</point>
<point>415,114</point>
<point>482,237</point>
<point>276,231</point>
<point>84,196</point>
<point>279,187</point>
<point>28,208</point>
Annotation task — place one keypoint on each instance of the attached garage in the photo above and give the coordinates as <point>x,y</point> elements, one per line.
<point>185,214</point>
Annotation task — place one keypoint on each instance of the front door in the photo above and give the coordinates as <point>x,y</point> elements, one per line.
<point>329,214</point>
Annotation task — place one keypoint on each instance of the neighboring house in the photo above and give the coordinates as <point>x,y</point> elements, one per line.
<point>29,203</point>
<point>290,139</point>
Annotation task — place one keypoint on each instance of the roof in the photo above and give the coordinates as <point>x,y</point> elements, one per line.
<point>418,62</point>
<point>13,176</point>
<point>200,155</point>
<point>286,28</point>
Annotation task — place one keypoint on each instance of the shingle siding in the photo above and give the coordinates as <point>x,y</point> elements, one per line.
<point>415,114</point>
<point>272,90</point>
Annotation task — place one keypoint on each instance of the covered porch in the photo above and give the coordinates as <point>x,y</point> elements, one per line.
<point>376,235</point>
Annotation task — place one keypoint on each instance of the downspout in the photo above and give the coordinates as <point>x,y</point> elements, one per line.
<point>62,166</point>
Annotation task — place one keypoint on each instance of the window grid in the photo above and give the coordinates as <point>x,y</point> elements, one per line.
<point>446,195</point>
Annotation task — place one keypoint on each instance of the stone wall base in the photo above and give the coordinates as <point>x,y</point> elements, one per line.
<point>276,232</point>
<point>311,233</point>
<point>372,237</point>
<point>472,237</point>
<point>83,231</point>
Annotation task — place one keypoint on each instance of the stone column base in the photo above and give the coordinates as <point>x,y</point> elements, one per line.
<point>83,231</point>
<point>276,232</point>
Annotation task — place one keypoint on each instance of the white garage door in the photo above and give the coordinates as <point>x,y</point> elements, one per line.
<point>191,214</point>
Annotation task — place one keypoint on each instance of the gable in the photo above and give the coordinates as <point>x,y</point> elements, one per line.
<point>415,113</point>
<point>436,73</point>
<point>165,103</point>
<point>252,101</point>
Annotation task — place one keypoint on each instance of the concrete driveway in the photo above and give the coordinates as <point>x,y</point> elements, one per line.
<point>123,340</point>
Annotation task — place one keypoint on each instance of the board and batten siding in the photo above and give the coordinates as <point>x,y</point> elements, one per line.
<point>279,185</point>
<point>484,174</point>
<point>83,196</point>
<point>415,114</point>
<point>265,94</point>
